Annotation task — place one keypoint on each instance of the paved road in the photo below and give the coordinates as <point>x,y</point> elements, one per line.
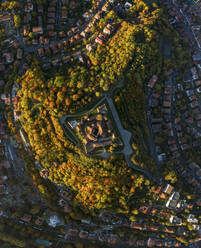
<point>152,145</point>
<point>126,136</point>
<point>186,22</point>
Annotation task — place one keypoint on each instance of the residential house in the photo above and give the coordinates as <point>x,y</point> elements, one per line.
<point>66,59</point>
<point>158,190</point>
<point>198,117</point>
<point>5,18</point>
<point>51,33</point>
<point>50,27</point>
<point>108,29</point>
<point>63,15</point>
<point>182,140</point>
<point>51,15</point>
<point>86,15</point>
<point>175,220</point>
<point>17,114</point>
<point>2,82</point>
<point>41,40</point>
<point>168,90</point>
<point>194,73</point>
<point>190,92</point>
<point>54,48</point>
<point>40,51</point>
<point>37,30</point>
<point>44,173</point>
<point>196,227</point>
<point>171,134</point>
<point>46,66</point>
<point>137,226</point>
<point>55,62</point>
<point>35,42</point>
<point>151,242</point>
<point>27,18</point>
<point>83,234</point>
<point>127,5</point>
<point>47,51</point>
<point>25,30</point>
<point>167,97</point>
<point>191,219</point>
<point>154,211</point>
<point>51,21</point>
<point>167,104</point>
<point>28,7</point>
<point>194,104</point>
<point>156,128</point>
<point>173,147</point>
<point>144,209</point>
<point>192,98</point>
<point>74,30</point>
<point>173,200</point>
<point>79,22</point>
<point>106,7</point>
<point>51,9</point>
<point>161,157</point>
<point>184,147</point>
<point>168,229</point>
<point>39,221</point>
<point>9,58</point>
<point>40,8</point>
<point>171,141</point>
<point>153,81</point>
<point>198,83</point>
<point>26,218</point>
<point>181,231</point>
<point>40,21</point>
<point>19,53</point>
<point>100,39</point>
<point>2,67</point>
<point>71,233</point>
<point>168,189</point>
<point>155,120</point>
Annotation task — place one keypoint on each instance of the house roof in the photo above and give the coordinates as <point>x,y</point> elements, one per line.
<point>26,218</point>
<point>37,29</point>
<point>5,18</point>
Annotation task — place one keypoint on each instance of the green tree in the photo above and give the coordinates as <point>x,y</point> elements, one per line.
<point>17,21</point>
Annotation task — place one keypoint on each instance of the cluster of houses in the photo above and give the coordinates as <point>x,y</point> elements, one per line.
<point>173,202</point>
<point>102,236</point>
<point>28,218</point>
<point>7,172</point>
<point>42,25</point>
<point>65,199</point>
<point>111,238</point>
<point>8,57</point>
<point>180,116</point>
<point>41,35</point>
<point>191,175</point>
<point>191,12</point>
<point>165,194</point>
<point>186,122</point>
<point>63,202</point>
<point>162,119</point>
<point>47,46</point>
<point>12,99</point>
<point>5,167</point>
